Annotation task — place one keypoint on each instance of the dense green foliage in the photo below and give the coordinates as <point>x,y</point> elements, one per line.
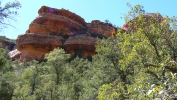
<point>128,66</point>
<point>7,79</point>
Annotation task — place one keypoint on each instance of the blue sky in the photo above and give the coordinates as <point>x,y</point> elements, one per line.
<point>87,9</point>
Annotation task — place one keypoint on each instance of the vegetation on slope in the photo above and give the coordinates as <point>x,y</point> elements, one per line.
<point>129,66</point>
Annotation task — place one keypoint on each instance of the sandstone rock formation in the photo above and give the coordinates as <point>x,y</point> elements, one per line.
<point>34,46</point>
<point>59,28</point>
<point>58,21</point>
<point>101,28</point>
<point>7,44</point>
<point>47,32</point>
<point>81,42</point>
<point>62,28</point>
<point>62,12</point>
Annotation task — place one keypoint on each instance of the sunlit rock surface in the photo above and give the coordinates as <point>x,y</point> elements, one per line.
<point>100,28</point>
<point>59,28</point>
<point>81,42</point>
<point>35,46</point>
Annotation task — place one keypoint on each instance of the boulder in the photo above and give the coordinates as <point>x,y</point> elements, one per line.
<point>15,54</point>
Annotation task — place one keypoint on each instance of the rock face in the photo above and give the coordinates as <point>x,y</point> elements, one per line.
<point>35,46</point>
<point>81,42</point>
<point>6,44</point>
<point>48,31</point>
<point>101,28</point>
<point>59,21</point>
<point>129,26</point>
<point>59,28</point>
<point>62,12</point>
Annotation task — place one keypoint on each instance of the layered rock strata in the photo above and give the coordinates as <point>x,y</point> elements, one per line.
<point>81,42</point>
<point>101,28</point>
<point>58,21</point>
<point>35,46</point>
<point>47,32</point>
<point>6,44</point>
<point>62,12</point>
<point>59,28</point>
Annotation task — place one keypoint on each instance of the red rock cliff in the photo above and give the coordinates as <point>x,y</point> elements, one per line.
<point>7,44</point>
<point>81,42</point>
<point>35,46</point>
<point>48,31</point>
<point>101,28</point>
<point>59,21</point>
<point>62,28</point>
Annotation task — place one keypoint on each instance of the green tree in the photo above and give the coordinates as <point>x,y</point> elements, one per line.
<point>75,79</point>
<point>102,70</point>
<point>43,80</point>
<point>8,77</point>
<point>148,59</point>
<point>58,58</point>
